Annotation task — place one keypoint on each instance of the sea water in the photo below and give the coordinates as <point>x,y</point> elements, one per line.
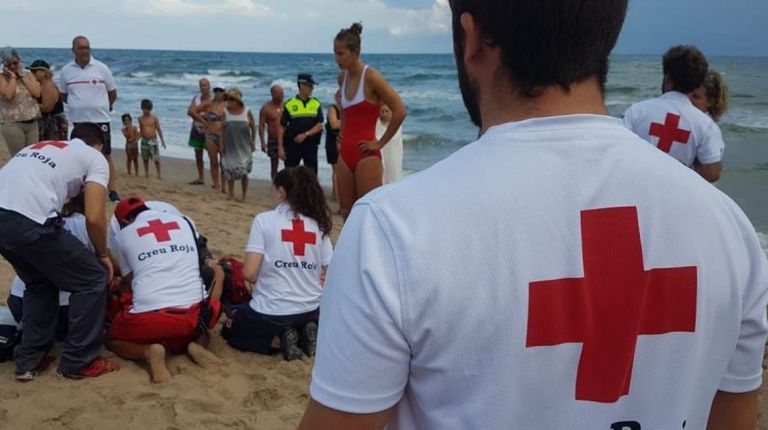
<point>437,124</point>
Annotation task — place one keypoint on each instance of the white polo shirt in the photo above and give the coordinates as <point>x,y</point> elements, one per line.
<point>159,249</point>
<point>295,252</point>
<point>86,89</point>
<point>76,225</point>
<point>562,286</point>
<point>674,125</point>
<point>38,180</point>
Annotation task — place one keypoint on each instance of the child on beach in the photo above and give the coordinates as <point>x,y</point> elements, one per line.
<point>149,125</point>
<point>132,136</point>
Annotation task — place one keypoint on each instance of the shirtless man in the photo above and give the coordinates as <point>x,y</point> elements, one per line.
<point>270,116</point>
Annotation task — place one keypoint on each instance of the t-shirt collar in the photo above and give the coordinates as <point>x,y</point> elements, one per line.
<point>578,121</point>
<point>677,96</point>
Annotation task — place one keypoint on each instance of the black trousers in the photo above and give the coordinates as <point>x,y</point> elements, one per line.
<point>48,259</point>
<point>249,330</point>
<point>296,153</point>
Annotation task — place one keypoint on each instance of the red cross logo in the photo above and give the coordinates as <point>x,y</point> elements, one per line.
<point>616,301</point>
<point>55,143</point>
<point>300,237</point>
<point>94,82</point>
<point>160,229</point>
<point>669,133</point>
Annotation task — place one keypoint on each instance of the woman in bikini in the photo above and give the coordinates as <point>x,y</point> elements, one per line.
<point>213,112</point>
<point>363,91</point>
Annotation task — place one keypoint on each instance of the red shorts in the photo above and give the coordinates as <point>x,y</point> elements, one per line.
<point>173,328</point>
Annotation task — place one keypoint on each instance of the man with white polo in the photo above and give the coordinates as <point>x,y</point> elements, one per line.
<point>89,92</point>
<point>34,185</point>
<point>673,124</point>
<point>580,280</point>
<point>159,260</point>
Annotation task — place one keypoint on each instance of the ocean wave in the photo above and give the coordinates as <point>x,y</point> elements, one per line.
<point>623,89</point>
<point>190,79</point>
<point>741,128</point>
<point>224,73</point>
<point>140,75</point>
<point>431,94</point>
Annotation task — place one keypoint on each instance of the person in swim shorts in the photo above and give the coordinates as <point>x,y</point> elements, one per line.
<point>269,118</point>
<point>149,126</point>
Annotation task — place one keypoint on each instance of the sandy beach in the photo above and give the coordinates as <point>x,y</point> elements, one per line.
<point>248,391</point>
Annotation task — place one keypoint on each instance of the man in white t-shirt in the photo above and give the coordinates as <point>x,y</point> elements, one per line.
<point>159,260</point>
<point>563,286</point>
<point>673,124</point>
<point>88,89</point>
<point>34,185</point>
<point>286,258</point>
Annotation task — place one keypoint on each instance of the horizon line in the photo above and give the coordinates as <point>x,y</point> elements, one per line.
<point>368,53</point>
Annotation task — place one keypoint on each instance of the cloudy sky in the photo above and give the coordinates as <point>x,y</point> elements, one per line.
<point>733,27</point>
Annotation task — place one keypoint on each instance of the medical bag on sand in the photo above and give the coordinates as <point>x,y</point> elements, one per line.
<point>10,336</point>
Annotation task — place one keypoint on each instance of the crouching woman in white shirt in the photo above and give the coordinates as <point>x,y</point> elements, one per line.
<point>287,255</point>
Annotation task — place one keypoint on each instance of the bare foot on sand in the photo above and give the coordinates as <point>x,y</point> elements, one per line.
<point>157,366</point>
<point>202,356</point>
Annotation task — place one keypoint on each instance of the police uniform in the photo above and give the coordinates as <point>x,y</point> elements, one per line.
<point>300,116</point>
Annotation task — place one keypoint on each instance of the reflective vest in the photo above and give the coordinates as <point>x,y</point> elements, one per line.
<point>296,108</point>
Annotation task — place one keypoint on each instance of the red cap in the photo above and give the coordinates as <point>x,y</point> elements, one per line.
<point>126,206</point>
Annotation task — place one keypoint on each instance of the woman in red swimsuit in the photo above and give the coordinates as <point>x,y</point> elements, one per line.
<point>363,91</point>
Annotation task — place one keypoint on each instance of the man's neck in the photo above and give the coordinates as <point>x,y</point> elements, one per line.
<point>583,98</point>
<point>304,99</point>
<point>82,64</point>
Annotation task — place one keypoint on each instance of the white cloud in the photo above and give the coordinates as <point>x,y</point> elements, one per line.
<point>424,21</point>
<point>183,7</point>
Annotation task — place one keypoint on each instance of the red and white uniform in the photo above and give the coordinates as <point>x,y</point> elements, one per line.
<point>37,181</point>
<point>76,225</point>
<point>114,225</point>
<point>674,125</point>
<point>295,252</point>
<point>558,288</point>
<point>159,249</point>
<point>87,91</point>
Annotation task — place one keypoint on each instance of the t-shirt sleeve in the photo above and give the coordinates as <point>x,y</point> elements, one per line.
<point>326,251</point>
<point>712,146</point>
<point>745,372</point>
<point>98,169</point>
<point>363,356</point>
<point>122,260</point>
<point>256,242</point>
<point>109,80</point>
<point>628,118</point>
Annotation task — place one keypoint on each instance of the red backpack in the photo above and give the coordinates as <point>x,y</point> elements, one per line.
<point>235,290</point>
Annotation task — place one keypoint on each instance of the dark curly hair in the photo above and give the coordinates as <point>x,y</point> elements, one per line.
<point>686,66</point>
<point>304,194</point>
<point>351,37</point>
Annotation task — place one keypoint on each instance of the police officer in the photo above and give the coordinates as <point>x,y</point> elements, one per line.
<point>302,127</point>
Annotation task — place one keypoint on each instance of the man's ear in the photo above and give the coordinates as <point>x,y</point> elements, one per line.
<point>473,38</point>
